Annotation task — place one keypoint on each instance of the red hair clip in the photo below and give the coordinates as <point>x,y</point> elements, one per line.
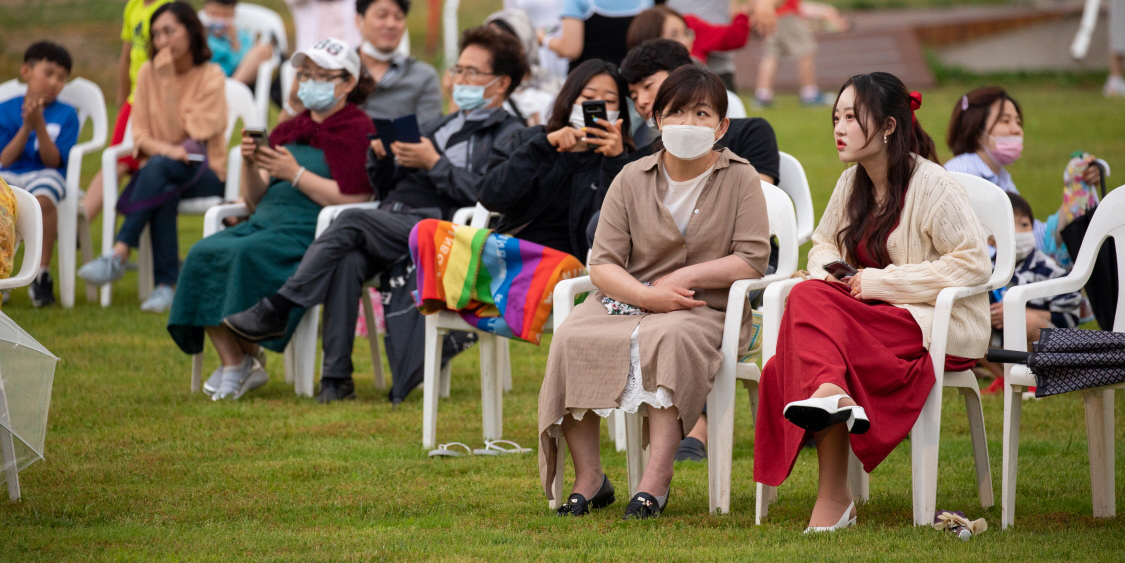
<point>915,103</point>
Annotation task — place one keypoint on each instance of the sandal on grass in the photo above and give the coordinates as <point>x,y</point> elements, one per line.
<point>444,451</point>
<point>494,447</point>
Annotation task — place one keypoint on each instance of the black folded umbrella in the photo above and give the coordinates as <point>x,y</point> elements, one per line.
<point>1068,359</point>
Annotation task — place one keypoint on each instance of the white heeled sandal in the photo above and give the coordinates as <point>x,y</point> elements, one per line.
<point>847,520</point>
<point>816,414</point>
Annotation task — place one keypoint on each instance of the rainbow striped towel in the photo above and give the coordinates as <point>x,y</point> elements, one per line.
<point>497,283</point>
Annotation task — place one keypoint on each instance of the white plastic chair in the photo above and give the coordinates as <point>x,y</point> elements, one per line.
<point>795,183</point>
<point>87,98</point>
<point>29,228</point>
<point>1108,221</point>
<point>994,211</point>
<point>266,26</point>
<point>720,401</point>
<point>495,361</point>
<point>240,105</point>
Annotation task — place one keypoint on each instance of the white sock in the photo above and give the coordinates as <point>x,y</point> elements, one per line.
<point>662,500</point>
<point>809,92</point>
<point>763,94</point>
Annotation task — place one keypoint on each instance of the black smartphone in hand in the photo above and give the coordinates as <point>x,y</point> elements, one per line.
<point>594,109</point>
<point>259,136</point>
<point>840,270</point>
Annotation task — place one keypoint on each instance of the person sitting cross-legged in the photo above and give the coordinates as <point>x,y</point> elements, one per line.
<point>429,179</point>
<point>312,160</point>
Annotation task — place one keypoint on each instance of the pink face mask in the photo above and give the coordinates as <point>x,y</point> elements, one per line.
<point>1007,149</point>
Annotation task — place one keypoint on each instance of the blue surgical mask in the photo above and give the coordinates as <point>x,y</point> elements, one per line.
<point>469,97</point>
<point>318,95</point>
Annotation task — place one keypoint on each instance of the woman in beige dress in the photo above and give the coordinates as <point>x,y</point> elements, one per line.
<point>677,229</point>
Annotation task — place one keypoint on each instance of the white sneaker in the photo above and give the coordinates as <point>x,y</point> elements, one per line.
<point>1114,87</point>
<point>256,378</point>
<point>160,300</point>
<point>214,382</point>
<point>232,380</point>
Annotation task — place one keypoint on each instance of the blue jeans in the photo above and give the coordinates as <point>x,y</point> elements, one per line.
<point>162,175</point>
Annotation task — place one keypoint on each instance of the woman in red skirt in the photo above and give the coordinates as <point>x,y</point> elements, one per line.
<point>852,362</point>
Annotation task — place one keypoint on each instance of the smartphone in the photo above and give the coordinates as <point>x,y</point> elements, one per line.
<point>593,109</point>
<point>259,136</point>
<point>384,131</point>
<point>192,157</point>
<point>840,270</point>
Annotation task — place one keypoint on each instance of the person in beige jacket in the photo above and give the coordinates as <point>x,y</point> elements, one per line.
<point>677,228</point>
<point>851,358</point>
<point>179,121</point>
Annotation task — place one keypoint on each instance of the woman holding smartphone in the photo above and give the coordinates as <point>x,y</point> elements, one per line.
<point>313,160</point>
<point>851,363</point>
<point>676,230</point>
<point>179,117</point>
<point>548,181</point>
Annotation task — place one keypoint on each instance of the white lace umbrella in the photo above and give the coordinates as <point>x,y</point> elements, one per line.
<point>27,371</point>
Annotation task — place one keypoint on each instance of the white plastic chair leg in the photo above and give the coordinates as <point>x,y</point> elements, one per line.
<point>145,279</point>
<point>635,456</point>
<point>557,484</point>
<point>67,241</point>
<point>430,382</point>
<point>975,412</point>
<point>446,374</point>
<point>1013,404</point>
<point>290,361</point>
<point>8,452</point>
<point>720,441</point>
<point>1099,432</point>
<point>491,390</point>
<point>858,479</point>
<point>303,354</point>
<point>764,496</point>
<point>924,441</point>
<point>504,361</point>
<point>617,429</point>
<point>197,372</point>
<point>373,341</point>
<point>87,243</point>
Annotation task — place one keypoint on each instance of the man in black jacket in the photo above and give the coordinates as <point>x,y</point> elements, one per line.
<point>422,180</point>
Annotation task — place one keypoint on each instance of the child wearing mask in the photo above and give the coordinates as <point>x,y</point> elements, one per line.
<point>232,48</point>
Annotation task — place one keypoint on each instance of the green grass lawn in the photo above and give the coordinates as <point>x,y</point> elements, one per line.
<point>140,469</point>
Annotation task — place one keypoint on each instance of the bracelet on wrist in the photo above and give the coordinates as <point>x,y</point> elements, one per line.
<point>297,176</point>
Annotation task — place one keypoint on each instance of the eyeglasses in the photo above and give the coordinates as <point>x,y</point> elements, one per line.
<point>469,73</point>
<point>302,77</point>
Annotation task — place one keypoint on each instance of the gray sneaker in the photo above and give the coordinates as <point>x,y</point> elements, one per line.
<point>102,270</point>
<point>253,380</point>
<point>160,300</point>
<point>232,380</point>
<point>214,382</point>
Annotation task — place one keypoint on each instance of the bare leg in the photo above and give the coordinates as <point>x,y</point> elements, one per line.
<point>700,430</point>
<point>806,70</point>
<point>767,69</point>
<point>247,71</point>
<point>226,344</point>
<point>1116,64</point>
<point>247,347</point>
<point>50,228</point>
<point>583,437</point>
<point>121,251</point>
<point>832,495</point>
<point>664,432</point>
<point>1037,320</point>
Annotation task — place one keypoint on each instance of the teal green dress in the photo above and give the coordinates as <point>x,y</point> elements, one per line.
<point>233,269</point>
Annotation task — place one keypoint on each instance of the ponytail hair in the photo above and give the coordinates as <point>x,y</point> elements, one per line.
<point>879,98</point>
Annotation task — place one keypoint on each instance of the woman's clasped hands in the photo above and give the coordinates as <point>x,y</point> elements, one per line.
<point>672,293</point>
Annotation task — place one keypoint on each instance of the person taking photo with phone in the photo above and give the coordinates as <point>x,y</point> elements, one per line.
<point>677,228</point>
<point>547,181</point>
<point>308,162</point>
<point>852,366</point>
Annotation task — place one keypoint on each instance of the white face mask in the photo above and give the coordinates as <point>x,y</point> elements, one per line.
<point>1025,243</point>
<point>688,142</point>
<point>578,120</point>
<point>372,51</point>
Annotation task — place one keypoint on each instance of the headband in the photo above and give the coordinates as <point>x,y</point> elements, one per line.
<point>964,102</point>
<point>915,103</point>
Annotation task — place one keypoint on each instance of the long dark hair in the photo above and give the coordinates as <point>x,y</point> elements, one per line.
<point>572,88</point>
<point>197,38</point>
<point>969,120</point>
<point>880,96</point>
<point>649,24</point>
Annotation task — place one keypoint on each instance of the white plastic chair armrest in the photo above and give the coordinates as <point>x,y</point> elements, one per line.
<point>329,213</point>
<point>74,161</point>
<point>32,244</point>
<point>213,219</point>
<point>943,311</point>
<point>773,306</point>
<point>233,188</point>
<point>565,293</point>
<point>1015,302</point>
<point>463,215</point>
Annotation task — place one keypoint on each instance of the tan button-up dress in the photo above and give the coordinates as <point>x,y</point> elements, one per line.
<point>588,364</point>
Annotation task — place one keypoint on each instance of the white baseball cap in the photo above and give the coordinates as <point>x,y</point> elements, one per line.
<point>331,54</point>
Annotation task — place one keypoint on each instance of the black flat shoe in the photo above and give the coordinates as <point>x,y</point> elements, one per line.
<point>332,390</point>
<point>691,449</point>
<point>644,505</point>
<point>577,505</point>
<point>258,323</point>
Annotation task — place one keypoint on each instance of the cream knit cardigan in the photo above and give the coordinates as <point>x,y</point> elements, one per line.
<point>938,243</point>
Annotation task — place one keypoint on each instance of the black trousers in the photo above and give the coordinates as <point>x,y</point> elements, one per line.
<point>359,245</point>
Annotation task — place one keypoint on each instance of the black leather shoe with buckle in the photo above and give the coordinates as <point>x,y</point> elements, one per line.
<point>644,505</point>
<point>577,505</point>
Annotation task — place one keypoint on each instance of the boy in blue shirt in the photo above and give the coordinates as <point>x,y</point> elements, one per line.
<point>37,132</point>
<point>232,49</point>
